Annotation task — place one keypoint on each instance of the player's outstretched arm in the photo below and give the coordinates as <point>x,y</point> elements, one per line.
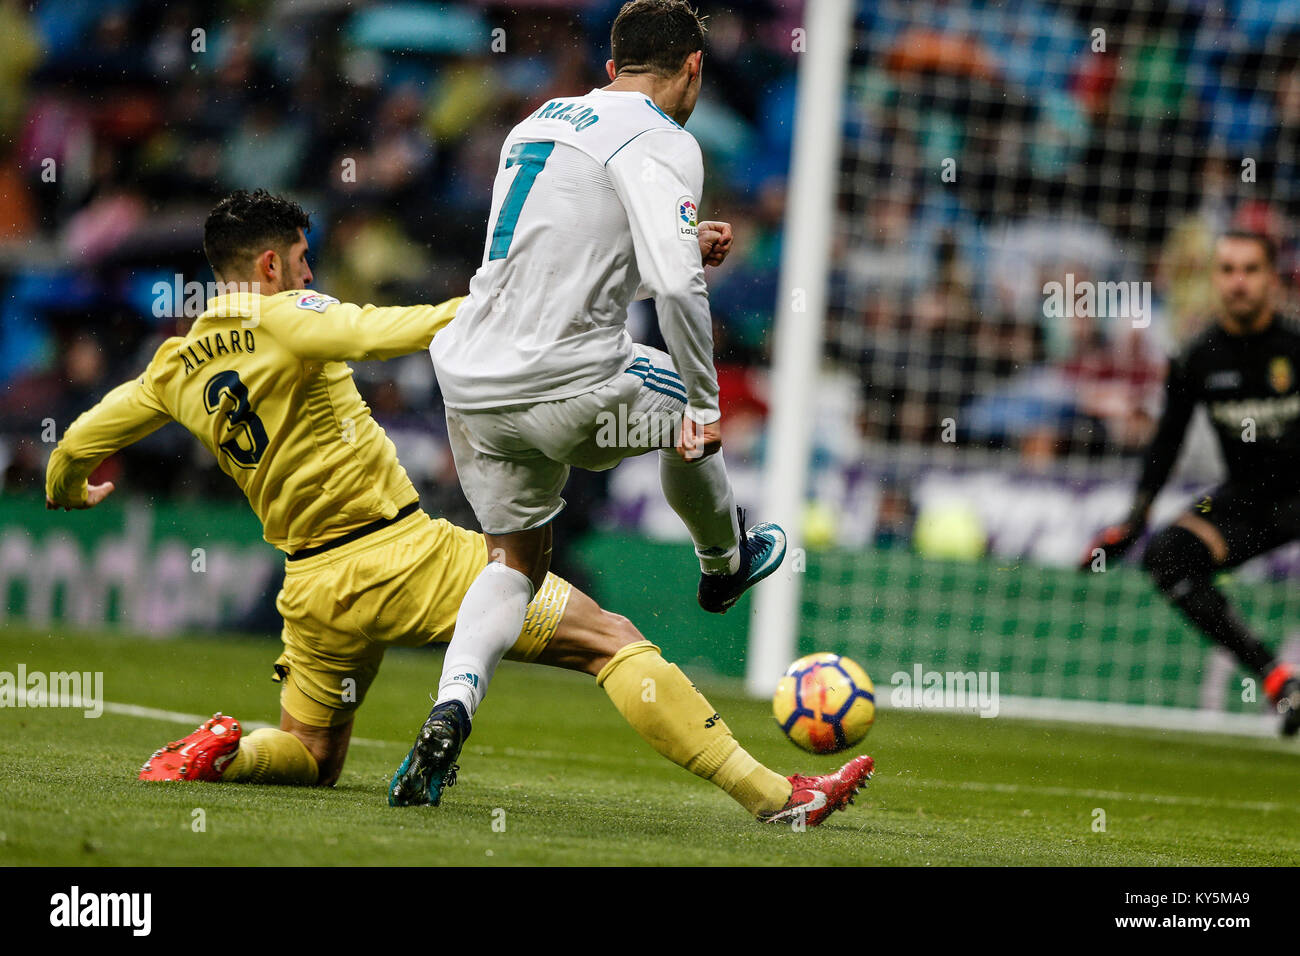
<point>124,416</point>
<point>658,178</point>
<point>319,328</point>
<point>1116,540</point>
<point>715,245</point>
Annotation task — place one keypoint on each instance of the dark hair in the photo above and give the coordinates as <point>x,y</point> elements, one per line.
<point>244,224</point>
<point>655,36</point>
<point>1266,243</point>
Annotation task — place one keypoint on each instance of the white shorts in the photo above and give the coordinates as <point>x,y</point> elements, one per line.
<point>513,462</point>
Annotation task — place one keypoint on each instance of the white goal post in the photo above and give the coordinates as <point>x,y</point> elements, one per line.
<point>800,316</point>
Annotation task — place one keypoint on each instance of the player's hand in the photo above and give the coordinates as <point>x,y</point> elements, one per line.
<point>94,495</point>
<point>715,242</point>
<point>699,441</point>
<point>1114,541</point>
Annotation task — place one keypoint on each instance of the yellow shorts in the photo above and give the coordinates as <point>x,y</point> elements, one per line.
<point>400,586</point>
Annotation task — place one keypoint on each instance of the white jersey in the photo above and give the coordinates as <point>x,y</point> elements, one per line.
<point>595,204</point>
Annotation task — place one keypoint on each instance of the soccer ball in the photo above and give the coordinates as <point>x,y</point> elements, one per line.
<point>825,703</point>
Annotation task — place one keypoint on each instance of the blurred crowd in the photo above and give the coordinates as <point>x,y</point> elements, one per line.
<point>123,121</point>
<point>994,148</point>
<point>990,148</point>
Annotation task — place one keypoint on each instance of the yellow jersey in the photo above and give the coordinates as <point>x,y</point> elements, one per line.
<point>262,382</point>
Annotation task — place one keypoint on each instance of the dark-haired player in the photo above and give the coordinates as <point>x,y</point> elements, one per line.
<point>1243,370</point>
<point>596,199</point>
<point>262,381</point>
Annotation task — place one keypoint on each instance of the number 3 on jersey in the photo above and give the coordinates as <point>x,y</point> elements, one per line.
<point>530,158</point>
<point>241,415</point>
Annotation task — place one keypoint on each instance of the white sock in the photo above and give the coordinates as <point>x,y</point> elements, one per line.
<point>490,619</point>
<point>700,493</point>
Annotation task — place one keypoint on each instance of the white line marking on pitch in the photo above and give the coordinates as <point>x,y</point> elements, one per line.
<point>133,710</point>
<point>176,717</point>
<point>1018,788</point>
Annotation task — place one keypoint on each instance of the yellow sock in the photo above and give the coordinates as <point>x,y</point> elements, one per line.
<point>666,709</point>
<point>272,756</point>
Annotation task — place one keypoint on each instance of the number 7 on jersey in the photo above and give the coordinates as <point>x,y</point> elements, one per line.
<point>530,158</point>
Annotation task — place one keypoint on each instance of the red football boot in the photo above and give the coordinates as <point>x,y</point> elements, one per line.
<point>816,798</point>
<point>200,756</point>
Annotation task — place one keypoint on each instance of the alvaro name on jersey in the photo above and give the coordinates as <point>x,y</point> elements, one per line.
<point>262,382</point>
<point>594,204</point>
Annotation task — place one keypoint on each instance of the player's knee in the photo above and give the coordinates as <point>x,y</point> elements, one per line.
<point>614,633</point>
<point>1176,555</point>
<point>619,631</point>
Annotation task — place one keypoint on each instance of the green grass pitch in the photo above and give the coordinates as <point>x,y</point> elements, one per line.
<point>565,781</point>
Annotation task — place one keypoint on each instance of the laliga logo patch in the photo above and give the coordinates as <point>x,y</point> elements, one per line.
<point>316,301</point>
<point>687,226</point>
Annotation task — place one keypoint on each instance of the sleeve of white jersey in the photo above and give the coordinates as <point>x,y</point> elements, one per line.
<point>659,176</point>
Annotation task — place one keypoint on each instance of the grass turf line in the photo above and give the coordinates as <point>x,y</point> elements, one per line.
<point>574,784</point>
